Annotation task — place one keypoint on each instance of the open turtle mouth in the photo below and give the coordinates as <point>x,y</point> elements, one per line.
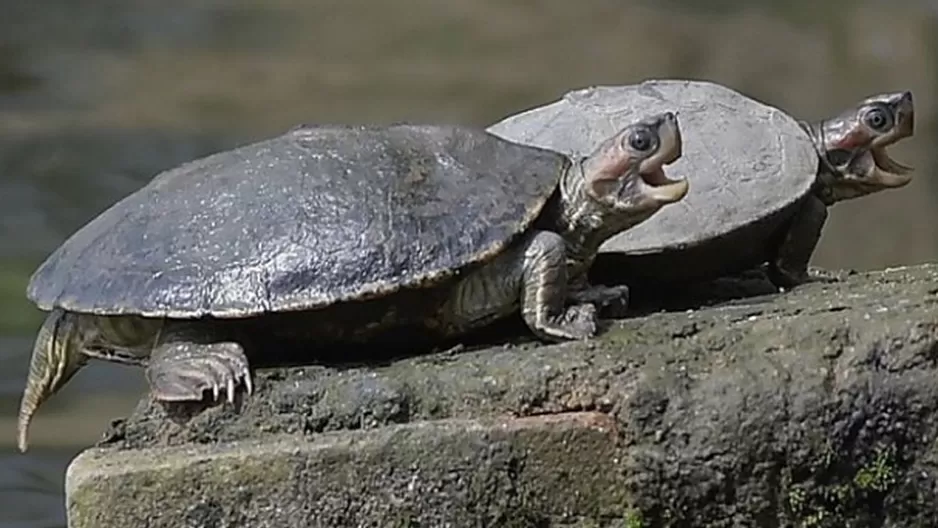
<point>878,169</point>
<point>656,185</point>
<point>887,164</point>
<point>652,181</point>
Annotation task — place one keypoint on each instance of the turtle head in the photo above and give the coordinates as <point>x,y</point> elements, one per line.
<point>625,174</point>
<point>853,145</point>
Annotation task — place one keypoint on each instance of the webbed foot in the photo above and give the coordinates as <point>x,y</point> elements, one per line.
<point>182,371</point>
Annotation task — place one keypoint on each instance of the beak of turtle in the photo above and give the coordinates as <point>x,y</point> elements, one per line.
<point>891,173</point>
<point>870,172</point>
<point>655,184</point>
<point>888,172</point>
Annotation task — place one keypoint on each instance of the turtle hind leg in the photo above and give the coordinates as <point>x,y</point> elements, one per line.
<point>184,366</point>
<point>789,266</point>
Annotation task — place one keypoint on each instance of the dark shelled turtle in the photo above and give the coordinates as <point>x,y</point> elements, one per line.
<point>332,235</point>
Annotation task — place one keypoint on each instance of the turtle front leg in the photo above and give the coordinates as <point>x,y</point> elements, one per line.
<point>789,267</point>
<point>531,275</point>
<point>187,361</point>
<point>545,292</point>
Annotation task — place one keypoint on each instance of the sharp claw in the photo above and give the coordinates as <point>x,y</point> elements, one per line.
<point>231,390</point>
<point>215,391</point>
<point>248,382</point>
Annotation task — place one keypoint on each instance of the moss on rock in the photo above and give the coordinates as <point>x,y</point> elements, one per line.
<point>817,407</point>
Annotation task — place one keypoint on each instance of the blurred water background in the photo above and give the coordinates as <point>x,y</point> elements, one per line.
<point>99,95</point>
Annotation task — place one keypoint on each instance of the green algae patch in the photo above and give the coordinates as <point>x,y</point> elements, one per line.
<point>839,487</point>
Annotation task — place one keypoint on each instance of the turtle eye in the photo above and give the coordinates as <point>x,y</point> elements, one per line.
<point>878,119</point>
<point>641,140</point>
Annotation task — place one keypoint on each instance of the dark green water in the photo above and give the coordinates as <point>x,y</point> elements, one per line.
<point>97,96</point>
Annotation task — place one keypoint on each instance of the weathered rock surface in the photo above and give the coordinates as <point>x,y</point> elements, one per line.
<point>816,407</point>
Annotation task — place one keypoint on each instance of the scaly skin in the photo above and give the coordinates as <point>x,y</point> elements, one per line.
<point>67,340</point>
<point>611,190</point>
<point>63,346</point>
<point>853,163</point>
<point>618,186</point>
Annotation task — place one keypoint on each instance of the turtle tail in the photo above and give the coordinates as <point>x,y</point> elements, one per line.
<point>57,356</point>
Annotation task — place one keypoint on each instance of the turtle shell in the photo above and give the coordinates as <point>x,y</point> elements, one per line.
<point>746,161</point>
<point>315,216</point>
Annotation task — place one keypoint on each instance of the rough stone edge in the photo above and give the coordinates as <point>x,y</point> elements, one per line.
<point>88,474</point>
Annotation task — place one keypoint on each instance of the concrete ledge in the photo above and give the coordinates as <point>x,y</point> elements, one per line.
<point>814,408</point>
<point>511,472</point>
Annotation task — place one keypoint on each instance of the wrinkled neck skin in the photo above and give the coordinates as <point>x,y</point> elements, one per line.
<point>827,173</point>
<point>583,222</point>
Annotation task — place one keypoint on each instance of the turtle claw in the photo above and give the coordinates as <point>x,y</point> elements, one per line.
<point>577,323</point>
<point>613,301</point>
<point>185,371</point>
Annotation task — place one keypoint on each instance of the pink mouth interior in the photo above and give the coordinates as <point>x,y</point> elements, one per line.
<point>656,177</point>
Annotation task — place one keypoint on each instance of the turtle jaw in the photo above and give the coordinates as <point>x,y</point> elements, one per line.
<point>652,187</point>
<point>889,173</point>
<point>868,173</point>
<point>871,171</point>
